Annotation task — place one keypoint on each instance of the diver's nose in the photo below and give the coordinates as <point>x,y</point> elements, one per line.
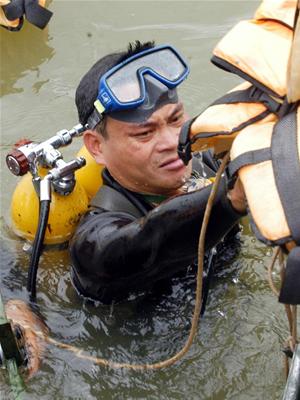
<point>168,139</point>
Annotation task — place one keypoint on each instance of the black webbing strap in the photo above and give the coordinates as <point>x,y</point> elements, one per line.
<point>36,14</point>
<point>248,158</point>
<point>205,135</point>
<point>184,143</point>
<point>14,9</point>
<point>250,95</point>
<point>227,66</point>
<point>290,289</point>
<point>286,166</point>
<point>236,96</point>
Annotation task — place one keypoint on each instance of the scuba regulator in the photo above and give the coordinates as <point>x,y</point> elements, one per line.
<point>60,177</point>
<point>27,157</point>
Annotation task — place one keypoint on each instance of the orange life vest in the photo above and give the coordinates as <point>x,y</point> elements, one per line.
<point>261,121</point>
<point>257,50</point>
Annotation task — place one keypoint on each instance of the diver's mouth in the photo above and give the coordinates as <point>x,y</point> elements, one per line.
<point>172,164</point>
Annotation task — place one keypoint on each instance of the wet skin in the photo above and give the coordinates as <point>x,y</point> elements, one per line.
<point>143,157</point>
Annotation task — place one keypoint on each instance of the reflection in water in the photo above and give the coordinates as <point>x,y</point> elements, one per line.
<point>21,52</point>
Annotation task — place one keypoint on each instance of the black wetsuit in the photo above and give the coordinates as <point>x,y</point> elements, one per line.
<point>124,244</point>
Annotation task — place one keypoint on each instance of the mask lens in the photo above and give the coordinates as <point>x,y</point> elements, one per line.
<point>124,82</point>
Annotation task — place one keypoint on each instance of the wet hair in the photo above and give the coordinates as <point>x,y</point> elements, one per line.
<point>87,90</point>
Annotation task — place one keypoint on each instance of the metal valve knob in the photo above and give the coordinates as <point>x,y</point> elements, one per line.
<point>17,162</point>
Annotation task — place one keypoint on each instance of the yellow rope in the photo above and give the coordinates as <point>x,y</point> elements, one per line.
<point>170,361</point>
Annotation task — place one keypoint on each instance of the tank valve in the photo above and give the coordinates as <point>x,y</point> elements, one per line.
<point>26,157</point>
<point>17,162</point>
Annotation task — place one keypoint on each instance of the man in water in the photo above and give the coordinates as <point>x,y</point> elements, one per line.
<point>143,225</point>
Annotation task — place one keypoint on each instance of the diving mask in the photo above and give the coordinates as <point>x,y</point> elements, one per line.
<point>141,84</point>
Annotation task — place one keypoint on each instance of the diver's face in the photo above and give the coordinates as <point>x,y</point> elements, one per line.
<point>143,157</point>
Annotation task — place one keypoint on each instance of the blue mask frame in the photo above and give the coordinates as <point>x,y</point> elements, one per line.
<point>107,102</point>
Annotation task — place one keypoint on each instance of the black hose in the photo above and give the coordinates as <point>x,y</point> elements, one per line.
<point>37,248</point>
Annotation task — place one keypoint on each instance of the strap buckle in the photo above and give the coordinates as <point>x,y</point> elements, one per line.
<point>184,152</point>
<point>184,148</point>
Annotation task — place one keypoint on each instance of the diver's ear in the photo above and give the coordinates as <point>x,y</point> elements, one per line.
<point>93,142</point>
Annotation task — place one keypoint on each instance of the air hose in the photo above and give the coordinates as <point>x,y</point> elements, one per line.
<point>37,247</point>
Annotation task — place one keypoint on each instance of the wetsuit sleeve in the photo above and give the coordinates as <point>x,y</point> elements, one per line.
<point>114,254</point>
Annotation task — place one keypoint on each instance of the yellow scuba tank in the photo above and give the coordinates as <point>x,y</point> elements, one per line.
<point>65,211</point>
<point>12,13</point>
<point>89,176</point>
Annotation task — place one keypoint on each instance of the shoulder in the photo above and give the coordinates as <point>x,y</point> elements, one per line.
<point>97,225</point>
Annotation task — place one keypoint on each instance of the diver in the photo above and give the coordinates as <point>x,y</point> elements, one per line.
<point>143,224</point>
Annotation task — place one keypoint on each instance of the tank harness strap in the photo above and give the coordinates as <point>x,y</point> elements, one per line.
<point>248,158</point>
<point>112,200</point>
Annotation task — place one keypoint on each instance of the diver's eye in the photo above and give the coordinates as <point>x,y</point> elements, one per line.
<point>143,135</point>
<point>176,118</point>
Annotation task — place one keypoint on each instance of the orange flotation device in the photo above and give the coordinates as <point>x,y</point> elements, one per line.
<point>257,50</point>
<point>12,13</point>
<point>260,119</point>
<point>267,161</point>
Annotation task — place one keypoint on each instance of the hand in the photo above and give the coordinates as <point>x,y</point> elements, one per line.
<point>237,197</point>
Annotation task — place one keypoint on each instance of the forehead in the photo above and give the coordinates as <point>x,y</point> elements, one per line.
<point>163,113</point>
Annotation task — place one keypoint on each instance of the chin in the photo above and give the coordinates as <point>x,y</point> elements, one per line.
<point>171,188</point>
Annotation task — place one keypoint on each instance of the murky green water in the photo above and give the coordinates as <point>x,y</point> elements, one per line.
<point>236,354</point>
